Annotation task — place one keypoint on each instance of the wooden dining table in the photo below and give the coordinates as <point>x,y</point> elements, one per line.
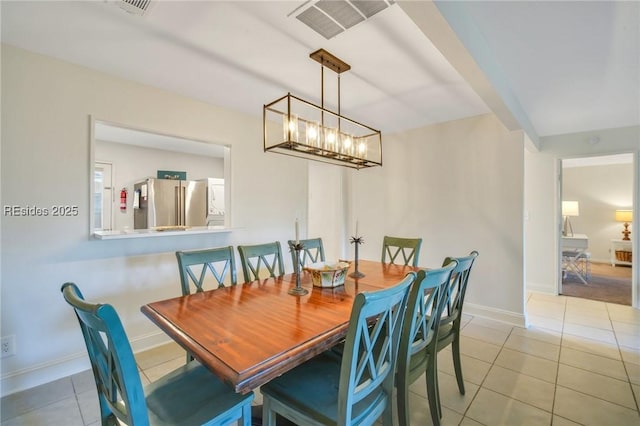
<point>250,333</point>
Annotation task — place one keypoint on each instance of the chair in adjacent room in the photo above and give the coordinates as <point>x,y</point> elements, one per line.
<point>356,388</point>
<point>417,352</point>
<point>187,395</point>
<point>194,264</point>
<point>254,257</point>
<point>449,328</point>
<point>408,247</point>
<point>312,251</point>
<point>578,263</point>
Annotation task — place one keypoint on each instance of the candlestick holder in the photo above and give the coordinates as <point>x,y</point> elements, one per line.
<point>357,241</point>
<point>297,290</point>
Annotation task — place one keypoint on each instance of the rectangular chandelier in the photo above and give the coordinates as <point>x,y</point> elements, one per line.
<point>293,126</point>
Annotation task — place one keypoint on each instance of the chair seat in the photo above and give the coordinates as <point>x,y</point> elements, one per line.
<point>312,387</point>
<point>191,395</point>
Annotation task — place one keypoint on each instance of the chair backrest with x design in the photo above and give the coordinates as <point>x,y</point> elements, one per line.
<point>368,366</point>
<point>457,286</point>
<point>427,300</point>
<point>312,251</point>
<point>194,264</point>
<point>254,257</point>
<point>408,247</point>
<point>120,390</point>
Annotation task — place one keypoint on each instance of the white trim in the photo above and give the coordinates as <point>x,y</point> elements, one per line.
<point>542,288</point>
<point>508,317</point>
<point>40,374</point>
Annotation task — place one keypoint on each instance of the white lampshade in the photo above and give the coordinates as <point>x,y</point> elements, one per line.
<point>570,208</point>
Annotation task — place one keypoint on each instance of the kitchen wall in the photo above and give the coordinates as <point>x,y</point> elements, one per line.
<point>132,164</point>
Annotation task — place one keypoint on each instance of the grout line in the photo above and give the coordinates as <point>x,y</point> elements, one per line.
<point>624,365</point>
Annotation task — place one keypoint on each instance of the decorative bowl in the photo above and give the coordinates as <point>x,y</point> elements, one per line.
<point>325,274</point>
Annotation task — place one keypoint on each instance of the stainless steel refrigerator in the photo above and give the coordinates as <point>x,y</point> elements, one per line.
<point>168,203</point>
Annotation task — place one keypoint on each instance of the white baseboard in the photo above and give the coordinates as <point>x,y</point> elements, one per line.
<point>508,317</point>
<point>63,367</point>
<point>40,374</point>
<point>542,288</point>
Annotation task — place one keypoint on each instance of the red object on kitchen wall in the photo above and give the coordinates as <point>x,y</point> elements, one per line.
<point>123,199</point>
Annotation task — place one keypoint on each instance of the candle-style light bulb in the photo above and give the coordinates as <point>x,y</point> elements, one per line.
<point>347,144</point>
<point>330,139</point>
<point>312,134</point>
<point>362,149</point>
<point>290,127</point>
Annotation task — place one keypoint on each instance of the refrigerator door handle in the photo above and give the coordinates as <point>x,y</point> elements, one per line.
<point>177,204</point>
<point>182,205</point>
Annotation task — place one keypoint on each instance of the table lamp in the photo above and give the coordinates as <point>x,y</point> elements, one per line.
<point>625,216</point>
<point>569,208</point>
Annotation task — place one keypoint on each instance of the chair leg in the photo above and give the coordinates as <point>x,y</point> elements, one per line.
<point>387,415</point>
<point>433,391</point>
<point>403,403</point>
<point>246,415</point>
<point>268,415</point>
<point>457,364</point>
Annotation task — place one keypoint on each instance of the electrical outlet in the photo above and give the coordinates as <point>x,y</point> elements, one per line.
<point>8,346</point>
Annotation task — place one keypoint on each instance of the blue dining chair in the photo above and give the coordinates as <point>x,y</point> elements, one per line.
<point>312,251</point>
<point>189,395</point>
<point>408,247</point>
<point>449,328</point>
<point>357,388</point>
<point>254,257</point>
<point>194,264</point>
<point>417,352</point>
<point>219,261</point>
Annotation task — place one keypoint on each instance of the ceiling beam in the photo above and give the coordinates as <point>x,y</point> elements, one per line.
<point>455,35</point>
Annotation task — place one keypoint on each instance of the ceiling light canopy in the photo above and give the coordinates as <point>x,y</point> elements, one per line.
<point>294,126</point>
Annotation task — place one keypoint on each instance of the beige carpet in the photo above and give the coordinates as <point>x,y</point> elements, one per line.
<point>607,284</point>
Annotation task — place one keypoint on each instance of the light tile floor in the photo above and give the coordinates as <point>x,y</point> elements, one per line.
<point>577,364</point>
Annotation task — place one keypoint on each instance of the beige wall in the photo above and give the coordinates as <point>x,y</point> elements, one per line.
<point>541,237</point>
<point>459,186</point>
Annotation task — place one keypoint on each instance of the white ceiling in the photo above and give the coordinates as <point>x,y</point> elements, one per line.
<point>570,66</point>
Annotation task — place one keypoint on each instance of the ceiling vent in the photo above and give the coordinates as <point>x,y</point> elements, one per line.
<point>135,7</point>
<point>331,17</point>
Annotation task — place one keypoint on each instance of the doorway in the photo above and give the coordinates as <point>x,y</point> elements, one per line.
<point>103,196</point>
<point>596,261</point>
